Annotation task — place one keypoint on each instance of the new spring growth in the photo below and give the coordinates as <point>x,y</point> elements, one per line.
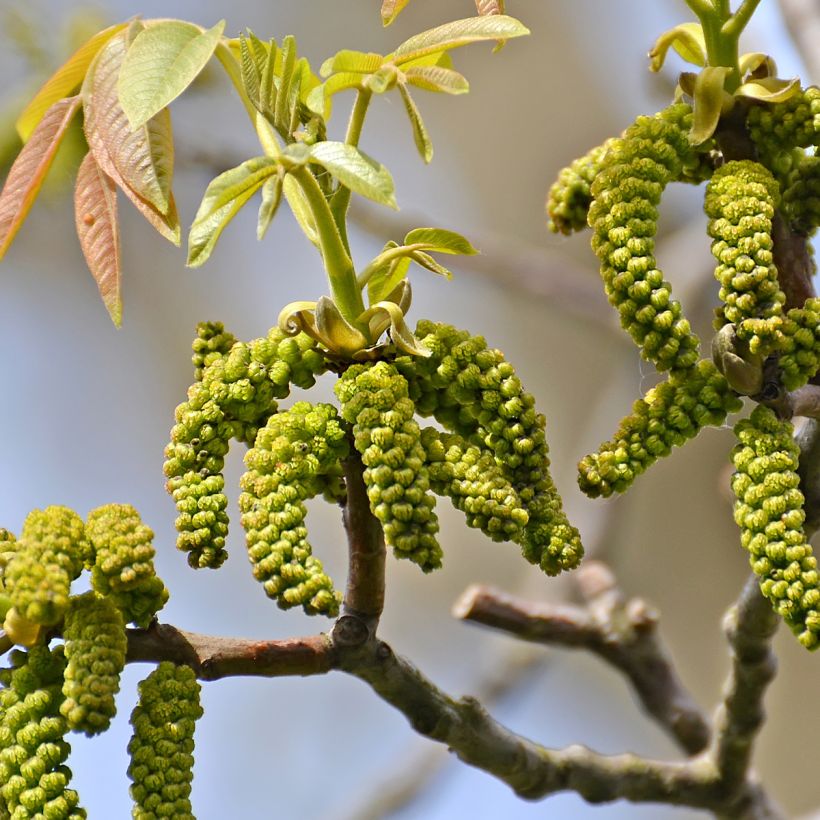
<point>162,745</point>
<point>287,465</point>
<point>769,512</point>
<point>33,751</point>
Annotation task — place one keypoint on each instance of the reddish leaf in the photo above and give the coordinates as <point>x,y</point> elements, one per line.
<point>489,6</point>
<point>143,157</point>
<point>95,213</point>
<point>391,10</point>
<point>30,168</point>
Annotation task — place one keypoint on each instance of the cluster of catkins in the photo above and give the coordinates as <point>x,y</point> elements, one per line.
<point>615,189</point>
<point>491,459</point>
<point>48,690</point>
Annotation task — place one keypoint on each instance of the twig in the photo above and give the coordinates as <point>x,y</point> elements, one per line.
<point>623,633</point>
<point>802,18</point>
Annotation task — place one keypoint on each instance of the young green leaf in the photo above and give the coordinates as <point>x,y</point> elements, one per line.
<point>223,198</point>
<point>687,39</point>
<point>65,81</point>
<point>436,78</point>
<point>459,33</point>
<point>358,62</point>
<point>30,168</point>
<point>391,10</point>
<point>95,215</point>
<point>769,89</point>
<point>355,170</point>
<point>251,70</point>
<point>164,59</point>
<point>420,135</point>
<point>301,209</point>
<point>271,197</point>
<point>143,156</point>
<point>283,111</point>
<point>709,98</point>
<point>427,261</point>
<point>440,241</point>
<point>386,279</point>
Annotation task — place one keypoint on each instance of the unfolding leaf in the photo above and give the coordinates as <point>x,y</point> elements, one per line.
<point>65,81</point>
<point>769,89</point>
<point>95,214</point>
<point>222,201</point>
<point>420,136</point>
<point>301,208</point>
<point>459,33</point>
<point>30,168</point>
<point>427,261</point>
<point>385,277</point>
<point>440,240</point>
<point>435,78</point>
<point>383,80</point>
<point>709,102</point>
<point>391,10</point>
<point>358,62</point>
<point>319,99</point>
<point>271,197</point>
<point>355,170</point>
<point>341,337</point>
<point>402,336</point>
<point>757,64</point>
<point>297,316</point>
<point>285,99</point>
<point>164,59</point>
<point>687,39</point>
<point>251,70</point>
<point>143,156</point>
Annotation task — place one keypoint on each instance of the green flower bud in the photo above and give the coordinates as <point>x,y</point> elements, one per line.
<point>293,453</point>
<point>33,775</point>
<point>473,392</point>
<point>124,565</point>
<point>636,169</point>
<point>212,342</point>
<point>50,554</point>
<point>769,511</point>
<point>794,123</point>
<point>477,486</point>
<point>670,413</point>
<point>740,202</point>
<point>374,399</point>
<point>95,646</point>
<point>800,345</point>
<point>801,195</point>
<point>570,195</point>
<point>162,745</point>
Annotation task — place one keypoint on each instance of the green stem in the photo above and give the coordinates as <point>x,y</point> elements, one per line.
<point>701,8</point>
<point>735,25</point>
<point>340,201</point>
<point>339,266</point>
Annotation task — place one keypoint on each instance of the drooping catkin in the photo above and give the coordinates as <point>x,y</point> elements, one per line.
<point>636,169</point>
<point>292,454</point>
<point>95,646</point>
<point>769,512</point>
<point>33,751</point>
<point>777,129</point>
<point>162,745</point>
<point>374,399</point>
<point>800,344</point>
<point>124,562</point>
<point>212,341</point>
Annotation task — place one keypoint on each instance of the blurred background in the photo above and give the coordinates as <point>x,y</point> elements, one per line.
<point>86,410</point>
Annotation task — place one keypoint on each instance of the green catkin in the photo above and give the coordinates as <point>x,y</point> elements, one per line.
<point>740,202</point>
<point>50,554</point>
<point>212,342</point>
<point>777,129</point>
<point>33,751</point>
<point>469,476</point>
<point>162,745</point>
<point>800,345</point>
<point>653,152</point>
<point>237,393</point>
<point>292,454</point>
<point>124,562</point>
<point>95,646</point>
<point>769,512</point>
<point>374,399</point>
<point>670,413</point>
<point>801,196</point>
<point>570,195</point>
<point>473,392</point>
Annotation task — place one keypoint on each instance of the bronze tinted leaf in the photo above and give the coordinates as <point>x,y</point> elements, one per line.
<point>95,214</point>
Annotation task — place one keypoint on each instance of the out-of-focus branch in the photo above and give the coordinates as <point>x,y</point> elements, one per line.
<point>802,18</point>
<point>622,632</point>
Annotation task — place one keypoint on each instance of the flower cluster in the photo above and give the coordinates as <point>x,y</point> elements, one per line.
<point>162,745</point>
<point>95,645</point>
<point>769,512</point>
<point>285,467</point>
